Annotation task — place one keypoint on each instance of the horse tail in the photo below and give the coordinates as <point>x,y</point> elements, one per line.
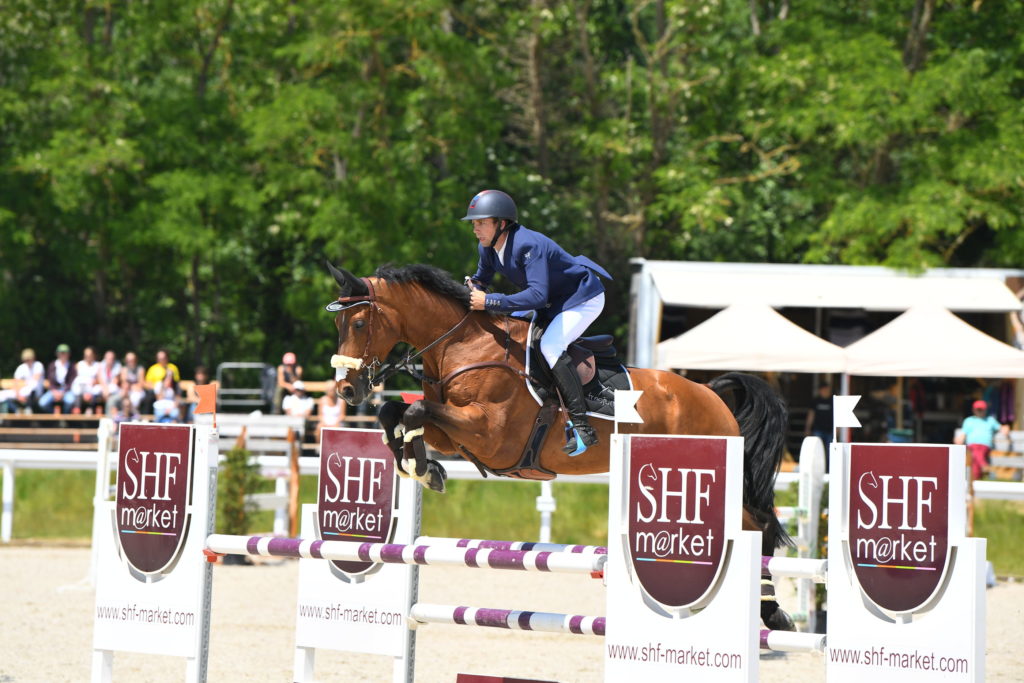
<point>762,417</point>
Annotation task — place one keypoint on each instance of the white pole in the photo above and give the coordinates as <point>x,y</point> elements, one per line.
<point>7,515</point>
<point>546,504</point>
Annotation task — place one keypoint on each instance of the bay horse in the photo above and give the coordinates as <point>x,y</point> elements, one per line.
<point>476,403</point>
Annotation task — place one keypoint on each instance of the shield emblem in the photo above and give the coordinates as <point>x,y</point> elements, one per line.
<point>898,521</point>
<point>153,483</point>
<point>676,521</point>
<point>356,497</point>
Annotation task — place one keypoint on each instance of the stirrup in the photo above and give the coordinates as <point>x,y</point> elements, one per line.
<point>580,446</point>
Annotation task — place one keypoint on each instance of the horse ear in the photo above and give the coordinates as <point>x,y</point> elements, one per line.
<point>349,283</point>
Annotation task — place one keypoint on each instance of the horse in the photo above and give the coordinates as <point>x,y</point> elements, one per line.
<point>476,403</point>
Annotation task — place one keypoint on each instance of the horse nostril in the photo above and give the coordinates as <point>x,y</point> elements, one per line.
<point>348,392</point>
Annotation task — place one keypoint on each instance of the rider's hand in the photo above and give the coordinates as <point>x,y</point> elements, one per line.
<point>477,300</point>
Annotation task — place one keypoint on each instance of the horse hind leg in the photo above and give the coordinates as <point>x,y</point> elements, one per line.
<point>428,472</point>
<point>773,616</point>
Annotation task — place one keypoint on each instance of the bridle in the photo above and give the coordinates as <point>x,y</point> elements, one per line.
<point>378,374</point>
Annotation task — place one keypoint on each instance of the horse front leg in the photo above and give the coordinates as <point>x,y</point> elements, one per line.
<point>460,425</point>
<point>390,417</point>
<point>428,472</point>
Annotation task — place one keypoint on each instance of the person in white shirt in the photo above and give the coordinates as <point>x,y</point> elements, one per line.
<point>109,379</point>
<point>298,404</point>
<point>28,381</point>
<point>332,408</point>
<point>87,388</point>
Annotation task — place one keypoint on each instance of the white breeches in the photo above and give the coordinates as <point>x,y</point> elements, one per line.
<point>568,326</point>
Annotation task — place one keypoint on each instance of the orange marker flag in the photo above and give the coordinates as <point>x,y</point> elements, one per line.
<point>207,402</point>
<point>207,394</point>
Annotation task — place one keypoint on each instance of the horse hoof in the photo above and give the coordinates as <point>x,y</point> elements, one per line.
<point>779,620</point>
<point>436,477</point>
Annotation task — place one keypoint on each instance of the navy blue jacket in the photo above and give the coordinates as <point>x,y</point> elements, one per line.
<point>551,280</point>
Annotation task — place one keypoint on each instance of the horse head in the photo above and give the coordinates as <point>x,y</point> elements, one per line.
<point>360,342</point>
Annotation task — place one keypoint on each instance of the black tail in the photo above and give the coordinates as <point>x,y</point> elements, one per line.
<point>762,417</point>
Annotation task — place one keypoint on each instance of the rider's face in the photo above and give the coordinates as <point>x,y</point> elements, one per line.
<point>484,229</point>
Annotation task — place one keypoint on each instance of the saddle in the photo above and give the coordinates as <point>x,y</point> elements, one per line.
<point>601,373</point>
<point>597,364</point>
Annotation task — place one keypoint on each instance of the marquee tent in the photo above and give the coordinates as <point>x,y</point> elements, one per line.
<point>749,337</point>
<point>928,341</point>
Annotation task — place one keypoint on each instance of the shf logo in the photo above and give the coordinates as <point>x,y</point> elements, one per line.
<point>899,523</point>
<point>356,499</point>
<point>676,520</point>
<point>153,480</point>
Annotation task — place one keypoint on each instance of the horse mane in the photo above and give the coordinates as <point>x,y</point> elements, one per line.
<point>435,279</point>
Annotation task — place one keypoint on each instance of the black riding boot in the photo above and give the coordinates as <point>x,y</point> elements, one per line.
<point>568,383</point>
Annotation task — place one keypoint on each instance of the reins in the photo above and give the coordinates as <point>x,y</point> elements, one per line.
<point>405,364</point>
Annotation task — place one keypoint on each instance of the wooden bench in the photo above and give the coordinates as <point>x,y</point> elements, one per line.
<point>1007,465</point>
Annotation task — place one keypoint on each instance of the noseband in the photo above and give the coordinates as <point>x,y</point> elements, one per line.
<point>343,303</point>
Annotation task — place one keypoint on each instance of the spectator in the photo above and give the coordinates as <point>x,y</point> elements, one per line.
<point>332,409</point>
<point>86,385</point>
<point>155,376</point>
<point>297,404</point>
<point>819,417</point>
<point>60,375</point>
<point>202,376</point>
<point>28,382</point>
<point>288,372</point>
<point>165,400</point>
<point>109,379</point>
<point>132,381</point>
<point>978,432</point>
<point>125,411</point>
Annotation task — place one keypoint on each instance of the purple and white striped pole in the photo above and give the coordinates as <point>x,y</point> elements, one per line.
<point>518,620</point>
<point>393,553</point>
<point>551,622</point>
<point>513,545</point>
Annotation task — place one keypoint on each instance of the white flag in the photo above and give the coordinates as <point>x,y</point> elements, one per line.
<point>842,411</point>
<point>625,406</point>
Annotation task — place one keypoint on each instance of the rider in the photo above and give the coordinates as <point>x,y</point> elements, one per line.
<point>564,291</point>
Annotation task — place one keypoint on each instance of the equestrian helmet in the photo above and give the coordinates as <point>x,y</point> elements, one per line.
<point>491,204</point>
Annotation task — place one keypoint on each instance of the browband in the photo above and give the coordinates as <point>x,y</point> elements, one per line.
<point>343,302</point>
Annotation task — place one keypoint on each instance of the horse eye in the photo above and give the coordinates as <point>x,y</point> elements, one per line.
<point>359,324</point>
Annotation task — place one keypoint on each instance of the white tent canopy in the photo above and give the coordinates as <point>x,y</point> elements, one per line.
<point>928,341</point>
<point>750,337</point>
<point>873,289</point>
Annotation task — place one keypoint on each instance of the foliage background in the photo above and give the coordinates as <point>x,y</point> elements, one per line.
<point>174,174</point>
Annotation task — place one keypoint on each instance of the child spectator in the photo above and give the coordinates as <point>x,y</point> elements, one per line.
<point>192,398</point>
<point>155,376</point>
<point>60,375</point>
<point>125,412</point>
<point>165,403</point>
